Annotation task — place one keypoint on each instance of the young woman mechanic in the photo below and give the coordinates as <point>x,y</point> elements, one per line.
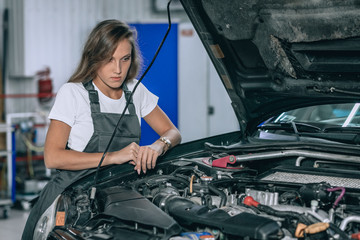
<point>86,111</point>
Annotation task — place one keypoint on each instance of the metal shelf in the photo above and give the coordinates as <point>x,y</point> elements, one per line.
<point>7,202</point>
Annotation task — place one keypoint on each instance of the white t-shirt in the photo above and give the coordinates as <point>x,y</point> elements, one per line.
<point>72,106</point>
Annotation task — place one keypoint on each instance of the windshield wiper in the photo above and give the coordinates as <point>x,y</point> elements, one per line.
<point>344,137</point>
<point>349,135</point>
<point>355,130</point>
<point>296,127</point>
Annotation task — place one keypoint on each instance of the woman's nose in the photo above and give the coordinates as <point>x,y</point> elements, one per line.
<point>118,68</point>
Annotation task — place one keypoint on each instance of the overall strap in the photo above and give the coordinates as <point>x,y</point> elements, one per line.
<point>127,97</point>
<point>93,96</point>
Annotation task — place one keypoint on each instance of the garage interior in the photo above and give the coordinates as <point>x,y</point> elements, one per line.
<point>41,42</point>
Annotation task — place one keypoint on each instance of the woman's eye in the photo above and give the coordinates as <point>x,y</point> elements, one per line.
<point>126,59</point>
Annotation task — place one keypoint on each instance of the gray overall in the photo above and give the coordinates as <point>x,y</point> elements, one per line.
<point>104,124</point>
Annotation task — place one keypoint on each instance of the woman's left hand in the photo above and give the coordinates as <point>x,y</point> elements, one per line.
<point>146,158</point>
<point>162,125</point>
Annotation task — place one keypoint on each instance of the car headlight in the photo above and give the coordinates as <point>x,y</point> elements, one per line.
<point>46,222</point>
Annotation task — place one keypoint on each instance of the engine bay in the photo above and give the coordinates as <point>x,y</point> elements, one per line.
<point>190,199</point>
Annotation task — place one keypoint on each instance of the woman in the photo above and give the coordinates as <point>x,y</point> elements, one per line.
<point>87,109</point>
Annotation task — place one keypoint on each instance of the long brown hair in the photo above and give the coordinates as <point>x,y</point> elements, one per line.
<point>101,45</point>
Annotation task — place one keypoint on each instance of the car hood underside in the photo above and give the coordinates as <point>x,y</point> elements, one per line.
<point>273,56</point>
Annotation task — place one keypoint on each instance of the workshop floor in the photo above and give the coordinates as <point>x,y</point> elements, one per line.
<point>11,228</point>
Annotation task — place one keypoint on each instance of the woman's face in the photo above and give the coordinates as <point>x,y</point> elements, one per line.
<point>113,72</point>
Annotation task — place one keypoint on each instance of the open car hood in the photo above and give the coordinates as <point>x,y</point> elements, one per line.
<point>277,55</point>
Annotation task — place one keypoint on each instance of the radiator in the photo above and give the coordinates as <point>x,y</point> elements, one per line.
<point>309,178</point>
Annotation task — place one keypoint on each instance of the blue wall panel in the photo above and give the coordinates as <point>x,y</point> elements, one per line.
<point>163,76</point>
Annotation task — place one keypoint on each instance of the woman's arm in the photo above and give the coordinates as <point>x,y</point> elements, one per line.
<point>57,156</point>
<point>167,131</point>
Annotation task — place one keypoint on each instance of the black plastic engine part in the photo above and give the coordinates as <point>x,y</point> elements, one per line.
<point>128,205</point>
<point>243,224</point>
<point>317,191</point>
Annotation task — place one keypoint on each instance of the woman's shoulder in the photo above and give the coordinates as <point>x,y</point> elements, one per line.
<point>72,86</point>
<point>142,93</point>
<point>141,88</point>
<point>72,90</point>
<point>131,83</point>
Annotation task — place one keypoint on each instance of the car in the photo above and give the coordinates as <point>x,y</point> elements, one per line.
<point>292,71</point>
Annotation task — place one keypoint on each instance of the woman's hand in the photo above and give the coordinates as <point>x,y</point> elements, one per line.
<point>127,154</point>
<point>146,158</point>
<point>142,157</point>
<point>163,126</point>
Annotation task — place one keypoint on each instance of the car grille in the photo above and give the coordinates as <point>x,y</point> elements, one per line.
<point>308,178</point>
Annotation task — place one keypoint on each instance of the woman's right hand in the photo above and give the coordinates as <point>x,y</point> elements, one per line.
<point>127,154</point>
<point>142,158</point>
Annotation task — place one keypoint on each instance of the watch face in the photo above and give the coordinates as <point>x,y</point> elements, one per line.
<point>166,141</point>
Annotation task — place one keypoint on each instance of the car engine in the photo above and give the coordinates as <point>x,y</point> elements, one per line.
<point>189,198</point>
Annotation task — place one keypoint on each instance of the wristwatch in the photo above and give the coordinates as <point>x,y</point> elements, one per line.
<point>166,141</point>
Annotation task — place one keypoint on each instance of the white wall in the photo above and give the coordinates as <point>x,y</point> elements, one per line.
<point>56,30</point>
<point>200,88</point>
<point>52,33</point>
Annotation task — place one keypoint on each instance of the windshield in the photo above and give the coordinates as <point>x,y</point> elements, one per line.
<point>332,122</point>
<point>340,115</point>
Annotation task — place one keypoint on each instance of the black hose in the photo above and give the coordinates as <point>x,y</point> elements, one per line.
<point>187,168</point>
<point>301,217</point>
<point>337,230</point>
<point>220,193</point>
<point>158,178</point>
